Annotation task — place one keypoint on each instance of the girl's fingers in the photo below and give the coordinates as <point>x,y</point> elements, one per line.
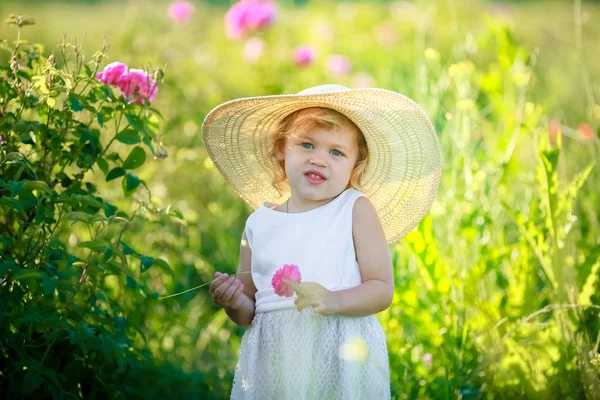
<point>225,283</point>
<point>228,294</point>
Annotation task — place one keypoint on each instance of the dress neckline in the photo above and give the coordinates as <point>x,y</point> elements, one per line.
<point>308,211</point>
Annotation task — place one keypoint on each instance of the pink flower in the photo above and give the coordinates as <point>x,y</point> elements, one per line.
<point>289,273</point>
<point>586,130</point>
<point>249,15</point>
<point>136,85</point>
<point>180,11</point>
<point>0,140</point>
<point>338,65</point>
<point>253,49</point>
<point>303,56</point>
<point>112,73</point>
<point>427,358</point>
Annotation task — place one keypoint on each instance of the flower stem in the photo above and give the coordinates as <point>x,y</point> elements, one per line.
<point>197,287</point>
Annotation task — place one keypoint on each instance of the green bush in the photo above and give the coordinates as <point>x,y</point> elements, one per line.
<point>65,331</point>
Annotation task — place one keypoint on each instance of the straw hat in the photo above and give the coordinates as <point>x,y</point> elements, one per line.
<point>404,169</point>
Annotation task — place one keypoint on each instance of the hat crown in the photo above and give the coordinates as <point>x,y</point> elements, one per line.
<point>330,88</point>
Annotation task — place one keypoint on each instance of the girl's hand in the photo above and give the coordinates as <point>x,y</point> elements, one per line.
<point>311,294</point>
<point>227,291</point>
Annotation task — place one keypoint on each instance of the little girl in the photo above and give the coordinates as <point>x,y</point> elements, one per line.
<point>358,169</point>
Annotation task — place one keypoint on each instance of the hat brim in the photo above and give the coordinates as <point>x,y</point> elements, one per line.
<point>404,169</point>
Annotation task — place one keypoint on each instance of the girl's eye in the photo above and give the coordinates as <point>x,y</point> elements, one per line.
<point>303,143</point>
<point>339,153</point>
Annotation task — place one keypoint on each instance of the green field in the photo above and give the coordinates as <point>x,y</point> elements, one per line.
<point>497,290</point>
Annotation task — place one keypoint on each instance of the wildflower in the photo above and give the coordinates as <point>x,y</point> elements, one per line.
<point>338,65</point>
<point>136,85</point>
<point>180,11</point>
<point>253,49</point>
<point>111,73</point>
<point>0,140</point>
<point>249,15</point>
<point>303,56</point>
<point>284,278</point>
<point>586,131</point>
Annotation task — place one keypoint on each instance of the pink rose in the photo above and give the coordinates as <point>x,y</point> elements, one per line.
<point>248,15</point>
<point>338,65</point>
<point>112,73</point>
<point>180,11</point>
<point>136,85</point>
<point>303,56</point>
<point>286,273</point>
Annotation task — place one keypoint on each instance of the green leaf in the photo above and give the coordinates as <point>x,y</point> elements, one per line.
<point>162,264</point>
<point>97,245</point>
<point>103,164</point>
<point>31,381</point>
<point>12,203</point>
<point>49,285</point>
<point>136,158</point>
<point>115,173</point>
<point>108,253</point>
<point>146,262</point>
<point>78,216</point>
<point>109,209</point>
<point>128,136</point>
<point>129,183</point>
<point>26,274</point>
<point>16,188</point>
<point>36,185</point>
<point>126,249</point>
<point>75,104</point>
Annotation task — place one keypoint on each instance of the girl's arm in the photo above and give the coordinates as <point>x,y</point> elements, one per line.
<point>244,314</point>
<point>376,291</point>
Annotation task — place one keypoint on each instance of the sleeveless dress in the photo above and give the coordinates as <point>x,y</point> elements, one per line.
<point>288,354</point>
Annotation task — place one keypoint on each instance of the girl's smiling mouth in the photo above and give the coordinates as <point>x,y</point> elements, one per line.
<point>314,177</point>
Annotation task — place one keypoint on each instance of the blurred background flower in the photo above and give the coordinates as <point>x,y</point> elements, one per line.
<point>247,16</point>
<point>303,56</point>
<point>180,11</point>
<point>338,64</point>
<point>253,49</point>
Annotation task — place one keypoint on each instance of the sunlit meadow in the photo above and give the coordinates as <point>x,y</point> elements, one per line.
<point>497,288</point>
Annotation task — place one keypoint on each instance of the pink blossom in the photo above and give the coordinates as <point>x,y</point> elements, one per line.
<point>586,130</point>
<point>338,65</point>
<point>303,56</point>
<point>253,49</point>
<point>0,140</point>
<point>287,272</point>
<point>249,15</point>
<point>136,85</point>
<point>180,11</point>
<point>427,358</point>
<point>112,73</point>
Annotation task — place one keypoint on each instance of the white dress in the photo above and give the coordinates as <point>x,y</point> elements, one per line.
<point>286,354</point>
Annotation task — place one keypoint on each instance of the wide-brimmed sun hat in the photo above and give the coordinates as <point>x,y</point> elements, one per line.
<point>404,169</point>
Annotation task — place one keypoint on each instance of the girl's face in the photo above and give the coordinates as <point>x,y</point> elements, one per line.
<point>331,155</point>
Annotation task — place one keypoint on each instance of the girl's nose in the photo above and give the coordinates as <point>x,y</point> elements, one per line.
<point>317,161</point>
